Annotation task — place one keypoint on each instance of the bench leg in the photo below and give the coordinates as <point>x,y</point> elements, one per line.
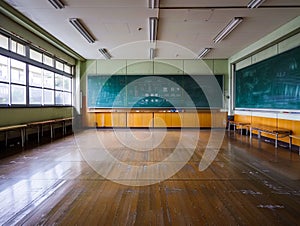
<point>276,140</point>
<point>51,131</point>
<point>6,137</point>
<point>22,137</point>
<point>38,133</point>
<point>64,128</point>
<point>290,144</point>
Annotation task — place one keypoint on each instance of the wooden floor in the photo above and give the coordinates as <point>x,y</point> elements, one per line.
<point>245,185</point>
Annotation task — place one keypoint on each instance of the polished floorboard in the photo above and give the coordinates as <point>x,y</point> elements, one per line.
<point>245,184</point>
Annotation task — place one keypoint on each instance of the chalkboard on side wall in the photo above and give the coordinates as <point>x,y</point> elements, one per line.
<point>273,83</point>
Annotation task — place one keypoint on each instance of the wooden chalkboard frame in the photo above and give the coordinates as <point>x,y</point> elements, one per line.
<point>270,78</point>
<point>186,82</point>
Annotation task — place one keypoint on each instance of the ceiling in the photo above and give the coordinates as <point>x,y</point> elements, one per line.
<point>184,27</point>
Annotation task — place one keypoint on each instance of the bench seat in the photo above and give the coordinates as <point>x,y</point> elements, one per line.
<point>277,132</point>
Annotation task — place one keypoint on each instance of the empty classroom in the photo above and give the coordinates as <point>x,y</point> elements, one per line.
<point>148,112</point>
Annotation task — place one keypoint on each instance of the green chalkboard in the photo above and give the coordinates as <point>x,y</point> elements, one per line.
<point>155,91</point>
<point>270,84</point>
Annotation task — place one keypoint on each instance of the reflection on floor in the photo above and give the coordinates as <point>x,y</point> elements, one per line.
<point>144,177</point>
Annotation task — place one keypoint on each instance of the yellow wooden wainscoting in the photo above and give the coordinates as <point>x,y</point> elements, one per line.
<point>159,120</point>
<point>242,118</point>
<point>111,119</point>
<point>139,119</point>
<point>203,119</point>
<point>292,125</point>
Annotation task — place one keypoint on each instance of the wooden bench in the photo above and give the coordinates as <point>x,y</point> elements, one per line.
<point>20,127</point>
<point>291,141</point>
<point>40,124</point>
<point>278,132</point>
<point>237,124</point>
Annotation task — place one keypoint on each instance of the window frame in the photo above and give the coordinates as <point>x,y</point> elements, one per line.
<point>12,55</point>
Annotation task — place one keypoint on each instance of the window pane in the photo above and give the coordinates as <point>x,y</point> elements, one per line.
<point>67,99</point>
<point>3,41</point>
<point>48,60</point>
<point>35,96</point>
<point>3,68</point>
<point>59,65</point>
<point>67,84</point>
<point>4,93</point>
<point>48,79</point>
<point>59,82</point>
<point>17,47</point>
<point>35,76</point>
<point>48,97</point>
<point>35,55</point>
<point>18,94</point>
<point>67,69</point>
<point>21,49</point>
<point>18,72</point>
<point>59,97</point>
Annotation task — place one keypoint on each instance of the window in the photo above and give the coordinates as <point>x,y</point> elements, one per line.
<point>4,93</point>
<point>17,48</point>
<point>59,97</point>
<point>3,41</point>
<point>35,76</point>
<point>67,69</point>
<point>67,98</point>
<point>59,82</point>
<point>67,84</point>
<point>48,60</point>
<point>32,77</point>
<point>17,71</point>
<point>3,68</point>
<point>48,79</point>
<point>35,96</point>
<point>59,65</point>
<point>35,55</point>
<point>18,94</point>
<point>48,97</point>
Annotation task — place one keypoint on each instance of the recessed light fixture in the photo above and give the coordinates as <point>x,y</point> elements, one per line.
<point>152,4</point>
<point>153,28</point>
<point>57,4</point>
<point>82,30</point>
<point>255,3</point>
<point>203,53</point>
<point>105,53</point>
<point>229,27</point>
<point>152,53</point>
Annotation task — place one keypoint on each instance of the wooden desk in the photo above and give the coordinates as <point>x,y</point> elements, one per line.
<point>20,127</point>
<point>291,141</point>
<point>236,124</point>
<point>278,132</point>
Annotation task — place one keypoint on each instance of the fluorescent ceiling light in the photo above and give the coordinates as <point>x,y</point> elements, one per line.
<point>57,4</point>
<point>229,27</point>
<point>83,31</point>
<point>152,53</point>
<point>152,4</point>
<point>203,53</point>
<point>153,28</point>
<point>105,53</point>
<point>255,3</point>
